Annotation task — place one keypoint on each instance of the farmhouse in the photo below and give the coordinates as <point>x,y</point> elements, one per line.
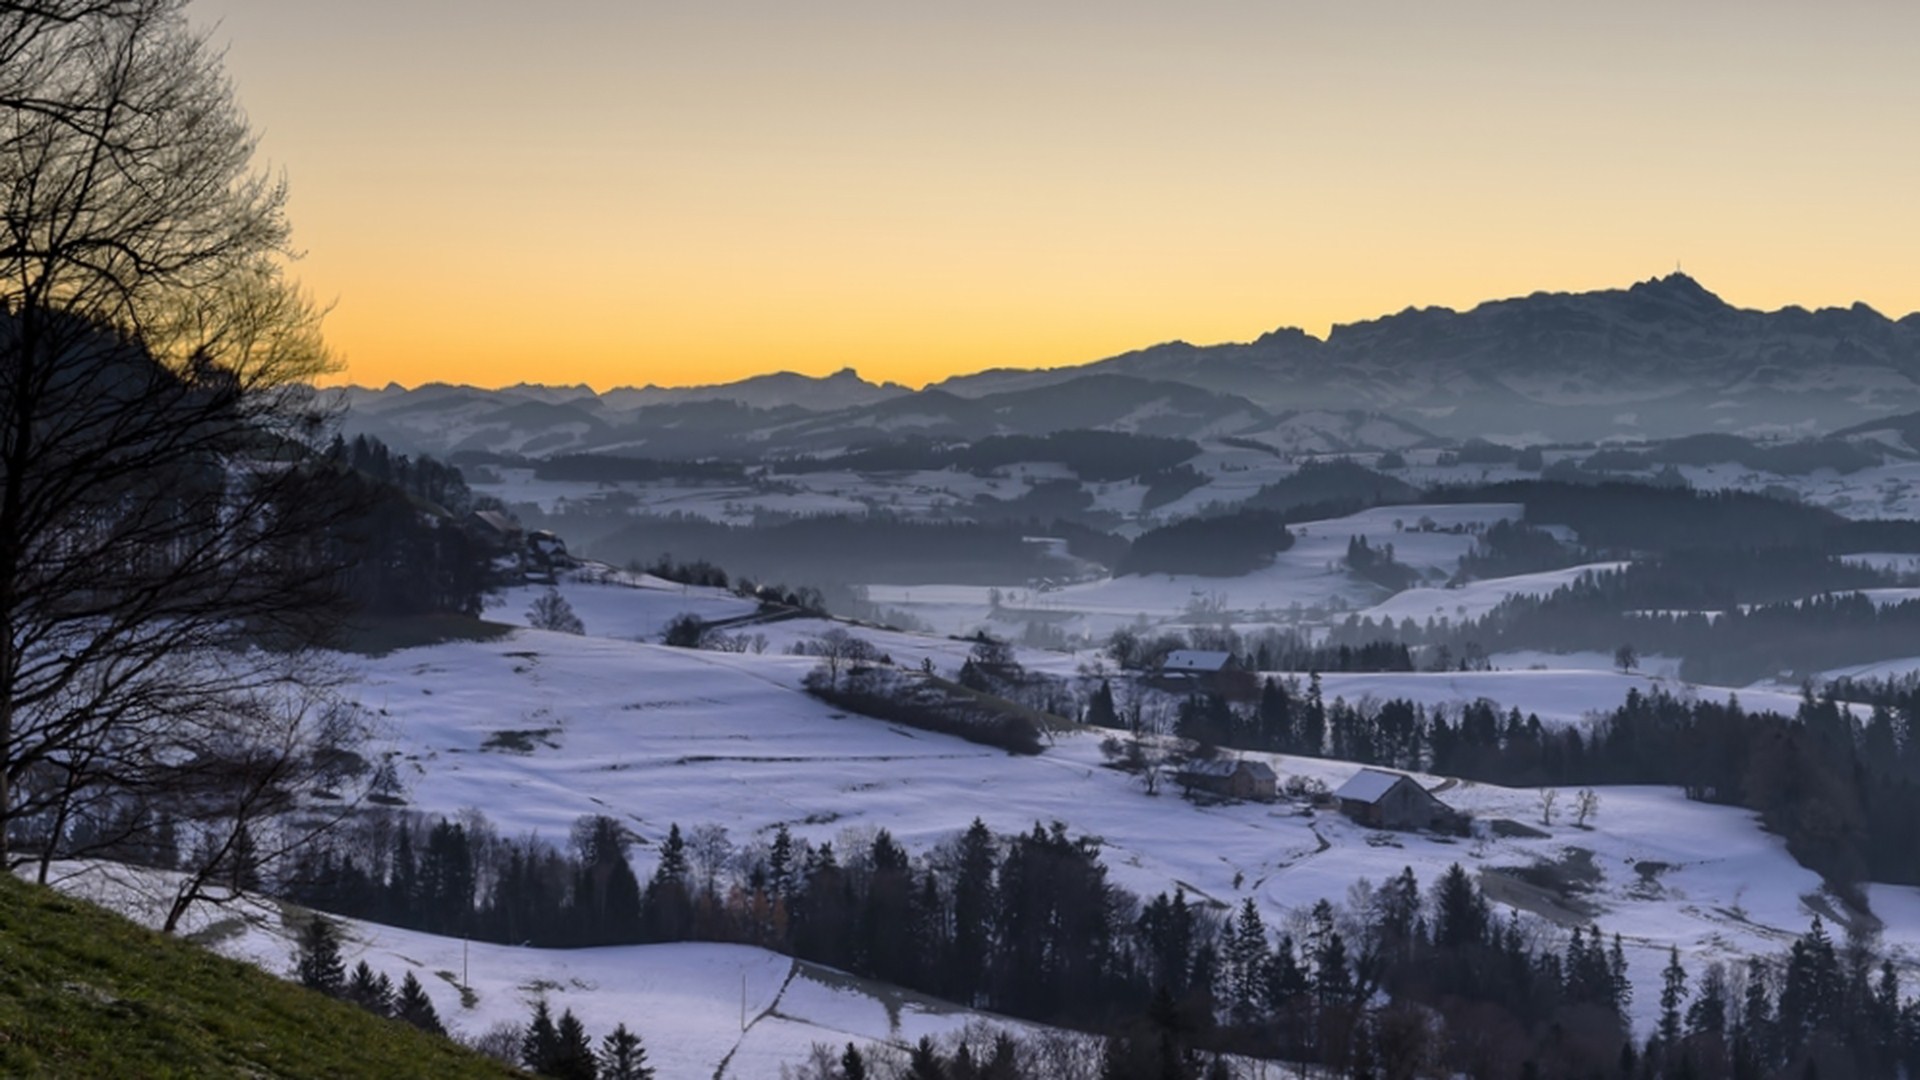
<point>1230,779</point>
<point>496,528</point>
<point>1389,800</point>
<point>1195,664</point>
<point>1201,671</point>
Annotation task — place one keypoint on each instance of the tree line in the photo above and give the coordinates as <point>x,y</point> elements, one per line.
<point>1842,789</point>
<point>1398,979</point>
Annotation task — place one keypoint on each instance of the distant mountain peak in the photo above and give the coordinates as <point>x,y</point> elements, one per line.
<point>1678,286</point>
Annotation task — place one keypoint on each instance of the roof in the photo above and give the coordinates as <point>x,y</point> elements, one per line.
<point>1195,660</point>
<point>1224,768</point>
<point>1370,785</point>
<point>497,521</point>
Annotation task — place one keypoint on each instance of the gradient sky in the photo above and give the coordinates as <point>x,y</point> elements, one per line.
<point>620,192</point>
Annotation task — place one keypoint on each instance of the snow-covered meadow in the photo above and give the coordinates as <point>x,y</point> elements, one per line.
<point>535,729</point>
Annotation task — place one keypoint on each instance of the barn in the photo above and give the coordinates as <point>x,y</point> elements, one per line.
<point>1230,779</point>
<point>1380,799</point>
<point>1202,671</point>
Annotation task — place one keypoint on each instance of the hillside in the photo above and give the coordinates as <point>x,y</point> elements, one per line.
<point>656,736</point>
<point>84,992</point>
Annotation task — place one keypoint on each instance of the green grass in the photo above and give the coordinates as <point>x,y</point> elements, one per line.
<point>85,993</point>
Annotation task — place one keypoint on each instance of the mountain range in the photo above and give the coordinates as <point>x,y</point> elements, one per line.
<point>1663,357</point>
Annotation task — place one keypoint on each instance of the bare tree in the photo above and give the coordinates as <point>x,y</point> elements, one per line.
<point>166,529</point>
<point>838,650</point>
<point>710,848</point>
<point>1585,805</point>
<point>1548,797</point>
<point>550,611</point>
<point>257,783</point>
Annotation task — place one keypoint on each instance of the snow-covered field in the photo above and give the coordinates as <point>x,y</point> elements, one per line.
<point>536,729</point>
<point>656,736</point>
<point>702,1010</point>
<point>1557,696</point>
<point>1308,583</point>
<point>1476,598</point>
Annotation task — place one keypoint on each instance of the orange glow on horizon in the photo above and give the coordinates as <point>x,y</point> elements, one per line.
<point>617,194</point>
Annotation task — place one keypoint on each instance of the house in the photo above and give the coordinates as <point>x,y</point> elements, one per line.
<point>543,544</point>
<point>1230,779</point>
<point>1196,664</point>
<point>497,528</point>
<point>1380,799</point>
<point>1203,671</point>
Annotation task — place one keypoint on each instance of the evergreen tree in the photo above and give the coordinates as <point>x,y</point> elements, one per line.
<point>1460,913</point>
<point>852,1065</point>
<point>667,910</point>
<point>1756,1029</point>
<point>1707,1016</point>
<point>318,963</point>
<point>1617,974</point>
<point>973,915</point>
<point>605,906</point>
<point>622,1057</point>
<point>923,1062</point>
<point>402,882</point>
<point>415,1007</point>
<point>572,1053</point>
<point>370,992</point>
<point>782,873</point>
<point>1673,991</point>
<point>1100,710</point>
<point>1247,959</point>
<point>540,1043</point>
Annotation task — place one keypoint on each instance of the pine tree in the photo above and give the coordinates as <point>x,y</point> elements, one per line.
<point>1707,1016</point>
<point>370,992</point>
<point>1247,960</point>
<point>415,1007</point>
<point>540,1043</point>
<point>973,907</point>
<point>403,890</point>
<point>1756,1017</point>
<point>1673,991</point>
<point>923,1062</point>
<point>242,862</point>
<point>1460,913</point>
<point>1617,974</point>
<point>667,910</point>
<point>572,1051</point>
<point>781,872</point>
<point>319,957</point>
<point>1100,710</point>
<point>852,1065</point>
<point>622,1057</point>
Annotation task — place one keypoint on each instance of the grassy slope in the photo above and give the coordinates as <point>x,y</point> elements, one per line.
<point>85,993</point>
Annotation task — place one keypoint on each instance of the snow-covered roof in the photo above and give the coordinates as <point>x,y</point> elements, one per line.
<point>1368,785</point>
<point>497,521</point>
<point>1195,660</point>
<point>1224,768</point>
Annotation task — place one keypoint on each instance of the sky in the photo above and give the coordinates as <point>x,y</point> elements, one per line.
<point>623,192</point>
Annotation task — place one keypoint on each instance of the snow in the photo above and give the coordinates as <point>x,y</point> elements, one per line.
<point>1367,786</point>
<point>1557,697</point>
<point>701,1010</point>
<point>1475,599</point>
<point>1195,660</point>
<point>634,607</point>
<point>656,736</point>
